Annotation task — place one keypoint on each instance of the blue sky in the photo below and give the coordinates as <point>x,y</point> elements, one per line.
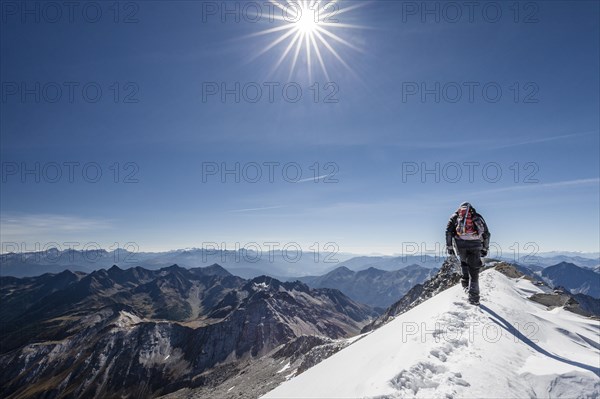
<point>366,142</point>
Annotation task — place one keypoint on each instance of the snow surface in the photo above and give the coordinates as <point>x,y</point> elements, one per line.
<point>445,348</point>
<point>287,366</point>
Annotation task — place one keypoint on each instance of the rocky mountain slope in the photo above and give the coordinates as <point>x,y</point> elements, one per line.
<point>576,279</point>
<point>374,287</point>
<point>143,333</point>
<point>446,277</point>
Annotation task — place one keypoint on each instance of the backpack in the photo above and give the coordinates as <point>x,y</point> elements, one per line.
<point>468,224</point>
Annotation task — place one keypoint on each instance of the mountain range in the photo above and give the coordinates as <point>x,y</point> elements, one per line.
<point>374,287</point>
<point>142,333</point>
<point>390,263</point>
<point>245,263</point>
<point>205,333</point>
<point>550,259</point>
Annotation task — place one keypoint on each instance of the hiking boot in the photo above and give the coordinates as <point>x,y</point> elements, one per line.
<point>474,301</point>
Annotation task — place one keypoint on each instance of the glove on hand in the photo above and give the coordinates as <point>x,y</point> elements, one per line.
<point>484,253</point>
<point>450,251</point>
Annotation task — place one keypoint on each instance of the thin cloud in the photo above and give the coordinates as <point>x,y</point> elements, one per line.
<point>33,224</point>
<point>543,140</point>
<point>489,144</point>
<point>313,178</point>
<point>532,186</point>
<point>255,209</point>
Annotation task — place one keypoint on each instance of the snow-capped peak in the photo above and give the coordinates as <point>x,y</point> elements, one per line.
<point>508,347</point>
<point>261,286</point>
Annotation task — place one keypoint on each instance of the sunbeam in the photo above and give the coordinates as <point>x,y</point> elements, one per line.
<point>306,27</point>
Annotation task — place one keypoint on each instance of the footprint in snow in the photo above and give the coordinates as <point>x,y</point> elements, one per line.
<point>442,352</point>
<point>460,304</point>
<point>435,379</point>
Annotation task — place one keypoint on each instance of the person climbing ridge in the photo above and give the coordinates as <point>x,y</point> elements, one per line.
<point>468,231</point>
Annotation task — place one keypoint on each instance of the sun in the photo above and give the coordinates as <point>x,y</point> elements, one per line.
<point>307,22</point>
<point>308,31</point>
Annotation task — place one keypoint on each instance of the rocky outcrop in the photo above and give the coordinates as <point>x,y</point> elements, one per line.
<point>252,379</point>
<point>508,270</point>
<point>588,304</point>
<point>553,300</point>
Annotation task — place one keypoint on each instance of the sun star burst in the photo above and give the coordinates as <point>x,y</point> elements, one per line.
<point>305,29</point>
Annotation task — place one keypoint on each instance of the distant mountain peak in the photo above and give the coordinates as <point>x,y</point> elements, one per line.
<point>373,286</point>
<point>374,271</point>
<point>173,268</point>
<point>66,272</point>
<point>215,270</point>
<point>342,269</point>
<point>574,278</point>
<point>565,264</point>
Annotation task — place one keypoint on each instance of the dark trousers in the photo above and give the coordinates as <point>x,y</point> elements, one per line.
<point>470,263</point>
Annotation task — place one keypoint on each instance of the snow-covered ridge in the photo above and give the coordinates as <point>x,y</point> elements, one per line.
<point>509,347</point>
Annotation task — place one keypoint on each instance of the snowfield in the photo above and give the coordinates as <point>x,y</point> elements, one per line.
<point>445,348</point>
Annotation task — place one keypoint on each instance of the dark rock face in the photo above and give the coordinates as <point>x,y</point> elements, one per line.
<point>576,279</point>
<point>299,346</point>
<point>446,277</point>
<point>374,287</point>
<point>588,303</point>
<point>143,333</point>
<point>581,304</point>
<point>554,300</point>
<point>254,378</point>
<point>308,351</point>
<point>508,270</point>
